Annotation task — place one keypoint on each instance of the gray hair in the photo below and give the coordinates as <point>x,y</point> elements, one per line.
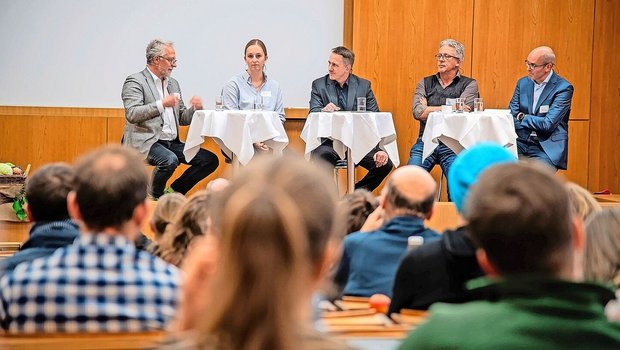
<point>601,259</point>
<point>460,50</point>
<point>347,55</point>
<point>155,48</point>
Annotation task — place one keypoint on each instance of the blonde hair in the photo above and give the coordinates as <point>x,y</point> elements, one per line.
<point>275,220</point>
<point>165,211</point>
<point>582,201</point>
<point>191,222</point>
<point>601,260</point>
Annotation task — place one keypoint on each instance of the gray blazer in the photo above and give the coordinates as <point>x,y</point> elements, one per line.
<point>324,92</point>
<point>143,122</point>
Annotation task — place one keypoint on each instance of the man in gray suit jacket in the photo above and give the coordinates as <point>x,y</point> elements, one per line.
<point>339,90</point>
<point>154,110</point>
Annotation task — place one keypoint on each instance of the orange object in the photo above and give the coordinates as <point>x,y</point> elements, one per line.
<point>380,302</point>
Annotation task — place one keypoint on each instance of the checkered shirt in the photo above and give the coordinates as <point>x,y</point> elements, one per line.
<point>100,283</point>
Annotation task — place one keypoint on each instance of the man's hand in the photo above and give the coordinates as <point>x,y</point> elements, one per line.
<point>467,108</point>
<point>380,158</point>
<point>261,146</point>
<point>374,220</point>
<point>170,100</point>
<point>330,108</point>
<point>196,102</point>
<point>423,102</point>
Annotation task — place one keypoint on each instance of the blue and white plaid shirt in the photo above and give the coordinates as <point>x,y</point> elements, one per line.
<point>100,283</point>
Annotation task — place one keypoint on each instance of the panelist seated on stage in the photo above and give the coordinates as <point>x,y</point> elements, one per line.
<point>154,110</point>
<point>541,106</point>
<point>338,91</point>
<point>244,90</point>
<point>432,92</point>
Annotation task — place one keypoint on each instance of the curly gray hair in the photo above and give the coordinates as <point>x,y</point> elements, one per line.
<point>156,47</point>
<point>460,50</point>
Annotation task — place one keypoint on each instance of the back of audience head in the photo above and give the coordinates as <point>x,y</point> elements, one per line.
<point>356,207</point>
<point>602,251</point>
<point>165,212</point>
<point>216,185</point>
<point>582,201</point>
<point>410,191</point>
<point>191,222</point>
<point>277,220</point>
<point>469,165</point>
<point>47,190</point>
<point>520,218</point>
<point>110,189</point>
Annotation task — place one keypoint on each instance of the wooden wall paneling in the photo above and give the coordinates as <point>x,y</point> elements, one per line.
<point>506,31</point>
<point>604,167</point>
<point>38,139</point>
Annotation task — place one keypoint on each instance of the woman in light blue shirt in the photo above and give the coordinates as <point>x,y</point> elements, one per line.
<point>242,90</point>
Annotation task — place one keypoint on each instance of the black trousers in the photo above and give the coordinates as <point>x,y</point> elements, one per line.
<point>375,175</point>
<point>167,155</point>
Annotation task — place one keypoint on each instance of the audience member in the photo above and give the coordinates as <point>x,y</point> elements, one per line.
<point>216,185</point>
<point>437,271</point>
<point>356,207</point>
<point>278,227</point>
<point>370,259</point>
<point>602,252</point>
<point>583,202</point>
<point>165,213</point>
<point>100,283</point>
<point>338,91</point>
<point>527,236</point>
<point>541,106</point>
<point>432,92</point>
<point>154,109</point>
<point>52,228</point>
<point>191,222</point>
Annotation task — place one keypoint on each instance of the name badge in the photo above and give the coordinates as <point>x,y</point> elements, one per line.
<point>265,93</point>
<point>544,109</point>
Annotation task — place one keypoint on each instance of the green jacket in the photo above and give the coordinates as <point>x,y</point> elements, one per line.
<point>521,313</point>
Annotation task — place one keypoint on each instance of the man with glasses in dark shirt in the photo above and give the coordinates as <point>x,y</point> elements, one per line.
<point>432,92</point>
<point>541,106</point>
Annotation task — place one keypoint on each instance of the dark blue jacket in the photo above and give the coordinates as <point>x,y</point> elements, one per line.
<point>45,238</point>
<point>370,259</point>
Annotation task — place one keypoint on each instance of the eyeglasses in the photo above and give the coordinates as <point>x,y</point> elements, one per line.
<point>532,66</point>
<point>170,60</point>
<point>443,57</point>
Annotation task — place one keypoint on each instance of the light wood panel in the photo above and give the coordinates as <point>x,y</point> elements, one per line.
<point>604,166</point>
<point>505,31</point>
<point>40,135</point>
<point>394,44</point>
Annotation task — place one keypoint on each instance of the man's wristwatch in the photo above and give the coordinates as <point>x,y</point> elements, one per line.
<point>520,116</point>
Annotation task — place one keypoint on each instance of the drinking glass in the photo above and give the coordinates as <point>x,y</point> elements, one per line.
<point>478,105</point>
<point>258,103</point>
<point>219,104</point>
<point>361,104</point>
<point>460,105</point>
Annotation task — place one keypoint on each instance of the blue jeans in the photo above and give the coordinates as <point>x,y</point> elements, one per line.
<point>167,155</point>
<point>442,155</point>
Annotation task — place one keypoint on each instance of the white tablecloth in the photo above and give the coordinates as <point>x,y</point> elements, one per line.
<point>236,132</point>
<point>359,131</point>
<point>460,131</point>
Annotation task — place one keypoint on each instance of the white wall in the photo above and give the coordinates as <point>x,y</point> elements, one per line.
<point>77,53</point>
